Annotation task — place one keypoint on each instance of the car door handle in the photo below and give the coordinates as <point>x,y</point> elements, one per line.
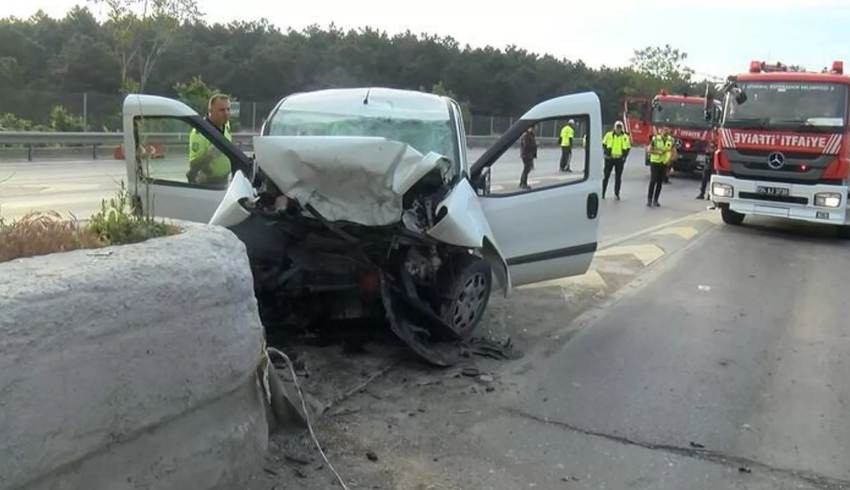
<point>592,205</point>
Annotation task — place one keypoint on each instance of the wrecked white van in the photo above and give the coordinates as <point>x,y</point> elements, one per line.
<point>361,202</point>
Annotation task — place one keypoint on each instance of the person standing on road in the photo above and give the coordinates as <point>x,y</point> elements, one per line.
<point>707,170</point>
<point>671,154</point>
<point>659,151</point>
<point>566,139</point>
<point>528,152</point>
<point>207,164</point>
<point>616,145</point>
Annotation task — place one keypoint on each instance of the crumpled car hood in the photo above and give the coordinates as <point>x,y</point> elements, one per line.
<point>345,178</point>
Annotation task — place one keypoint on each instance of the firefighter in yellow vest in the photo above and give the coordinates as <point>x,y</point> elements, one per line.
<point>660,150</point>
<point>207,164</point>
<point>616,145</point>
<point>566,140</point>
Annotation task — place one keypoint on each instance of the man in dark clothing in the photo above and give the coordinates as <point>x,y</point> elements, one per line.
<point>707,170</point>
<point>528,152</point>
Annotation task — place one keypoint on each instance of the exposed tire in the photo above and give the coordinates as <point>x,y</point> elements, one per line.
<point>843,232</point>
<point>731,217</point>
<point>464,292</point>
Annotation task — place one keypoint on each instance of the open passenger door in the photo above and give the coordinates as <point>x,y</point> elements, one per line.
<point>156,149</point>
<point>550,230</point>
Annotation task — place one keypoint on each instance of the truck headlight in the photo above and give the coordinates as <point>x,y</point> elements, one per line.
<point>722,190</point>
<point>828,199</point>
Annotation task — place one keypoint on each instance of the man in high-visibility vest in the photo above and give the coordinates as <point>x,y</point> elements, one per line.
<point>671,154</point>
<point>660,148</point>
<point>566,139</point>
<point>616,145</point>
<point>207,164</point>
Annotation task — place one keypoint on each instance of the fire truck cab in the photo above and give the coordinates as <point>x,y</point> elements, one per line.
<point>684,115</point>
<point>782,146</point>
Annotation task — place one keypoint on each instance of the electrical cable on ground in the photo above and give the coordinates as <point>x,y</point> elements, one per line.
<point>272,350</point>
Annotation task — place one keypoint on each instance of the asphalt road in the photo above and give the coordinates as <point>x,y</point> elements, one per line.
<point>735,353</point>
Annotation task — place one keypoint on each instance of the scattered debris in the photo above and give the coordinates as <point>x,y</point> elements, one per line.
<point>489,389</point>
<point>744,469</point>
<point>470,371</point>
<point>704,288</point>
<point>371,456</point>
<point>270,471</point>
<point>344,411</point>
<point>486,378</point>
<point>493,349</point>
<point>697,445</point>
<point>299,473</point>
<point>296,460</point>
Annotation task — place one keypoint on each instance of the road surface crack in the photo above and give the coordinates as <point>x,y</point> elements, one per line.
<point>819,481</point>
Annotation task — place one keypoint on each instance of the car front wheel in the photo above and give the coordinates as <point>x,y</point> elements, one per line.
<point>465,292</point>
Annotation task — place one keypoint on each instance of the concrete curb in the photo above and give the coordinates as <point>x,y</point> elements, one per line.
<point>132,366</point>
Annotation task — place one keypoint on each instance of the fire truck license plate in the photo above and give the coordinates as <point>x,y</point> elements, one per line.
<point>772,191</point>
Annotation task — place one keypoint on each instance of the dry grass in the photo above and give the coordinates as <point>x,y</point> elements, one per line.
<point>44,233</point>
<point>116,223</point>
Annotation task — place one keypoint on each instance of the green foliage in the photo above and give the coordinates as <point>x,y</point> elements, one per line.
<point>662,62</point>
<point>116,223</point>
<point>10,122</point>
<point>196,94</point>
<point>154,50</point>
<point>61,120</point>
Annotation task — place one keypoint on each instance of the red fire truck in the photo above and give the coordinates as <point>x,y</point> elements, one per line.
<point>684,115</point>
<point>782,146</point>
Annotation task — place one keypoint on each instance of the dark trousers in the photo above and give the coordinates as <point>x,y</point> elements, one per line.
<point>707,170</point>
<point>566,156</point>
<point>527,166</point>
<point>617,165</point>
<point>656,180</point>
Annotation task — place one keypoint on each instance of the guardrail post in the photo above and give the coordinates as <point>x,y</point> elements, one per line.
<point>85,111</point>
<point>94,152</point>
<point>29,153</point>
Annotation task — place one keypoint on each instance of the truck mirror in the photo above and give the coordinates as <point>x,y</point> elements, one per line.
<point>740,96</point>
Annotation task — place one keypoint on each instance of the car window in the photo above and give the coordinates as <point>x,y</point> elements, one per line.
<point>166,146</point>
<point>550,164</point>
<point>423,135</point>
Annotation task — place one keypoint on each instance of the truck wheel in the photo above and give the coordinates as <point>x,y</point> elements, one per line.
<point>731,217</point>
<point>465,289</point>
<point>843,232</point>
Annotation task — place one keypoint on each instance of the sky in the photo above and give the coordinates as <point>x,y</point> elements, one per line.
<point>720,36</point>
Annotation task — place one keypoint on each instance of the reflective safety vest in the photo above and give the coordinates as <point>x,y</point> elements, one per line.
<point>616,143</point>
<point>567,133</point>
<point>668,155</point>
<point>660,149</point>
<point>219,167</point>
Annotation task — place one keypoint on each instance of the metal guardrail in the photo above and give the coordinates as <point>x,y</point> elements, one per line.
<point>33,139</point>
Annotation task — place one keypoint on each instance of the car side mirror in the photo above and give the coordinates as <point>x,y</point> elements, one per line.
<point>481,184</point>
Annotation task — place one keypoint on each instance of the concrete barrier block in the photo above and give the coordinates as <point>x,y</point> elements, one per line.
<point>131,366</point>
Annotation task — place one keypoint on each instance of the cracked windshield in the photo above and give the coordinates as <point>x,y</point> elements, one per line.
<point>358,246</point>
